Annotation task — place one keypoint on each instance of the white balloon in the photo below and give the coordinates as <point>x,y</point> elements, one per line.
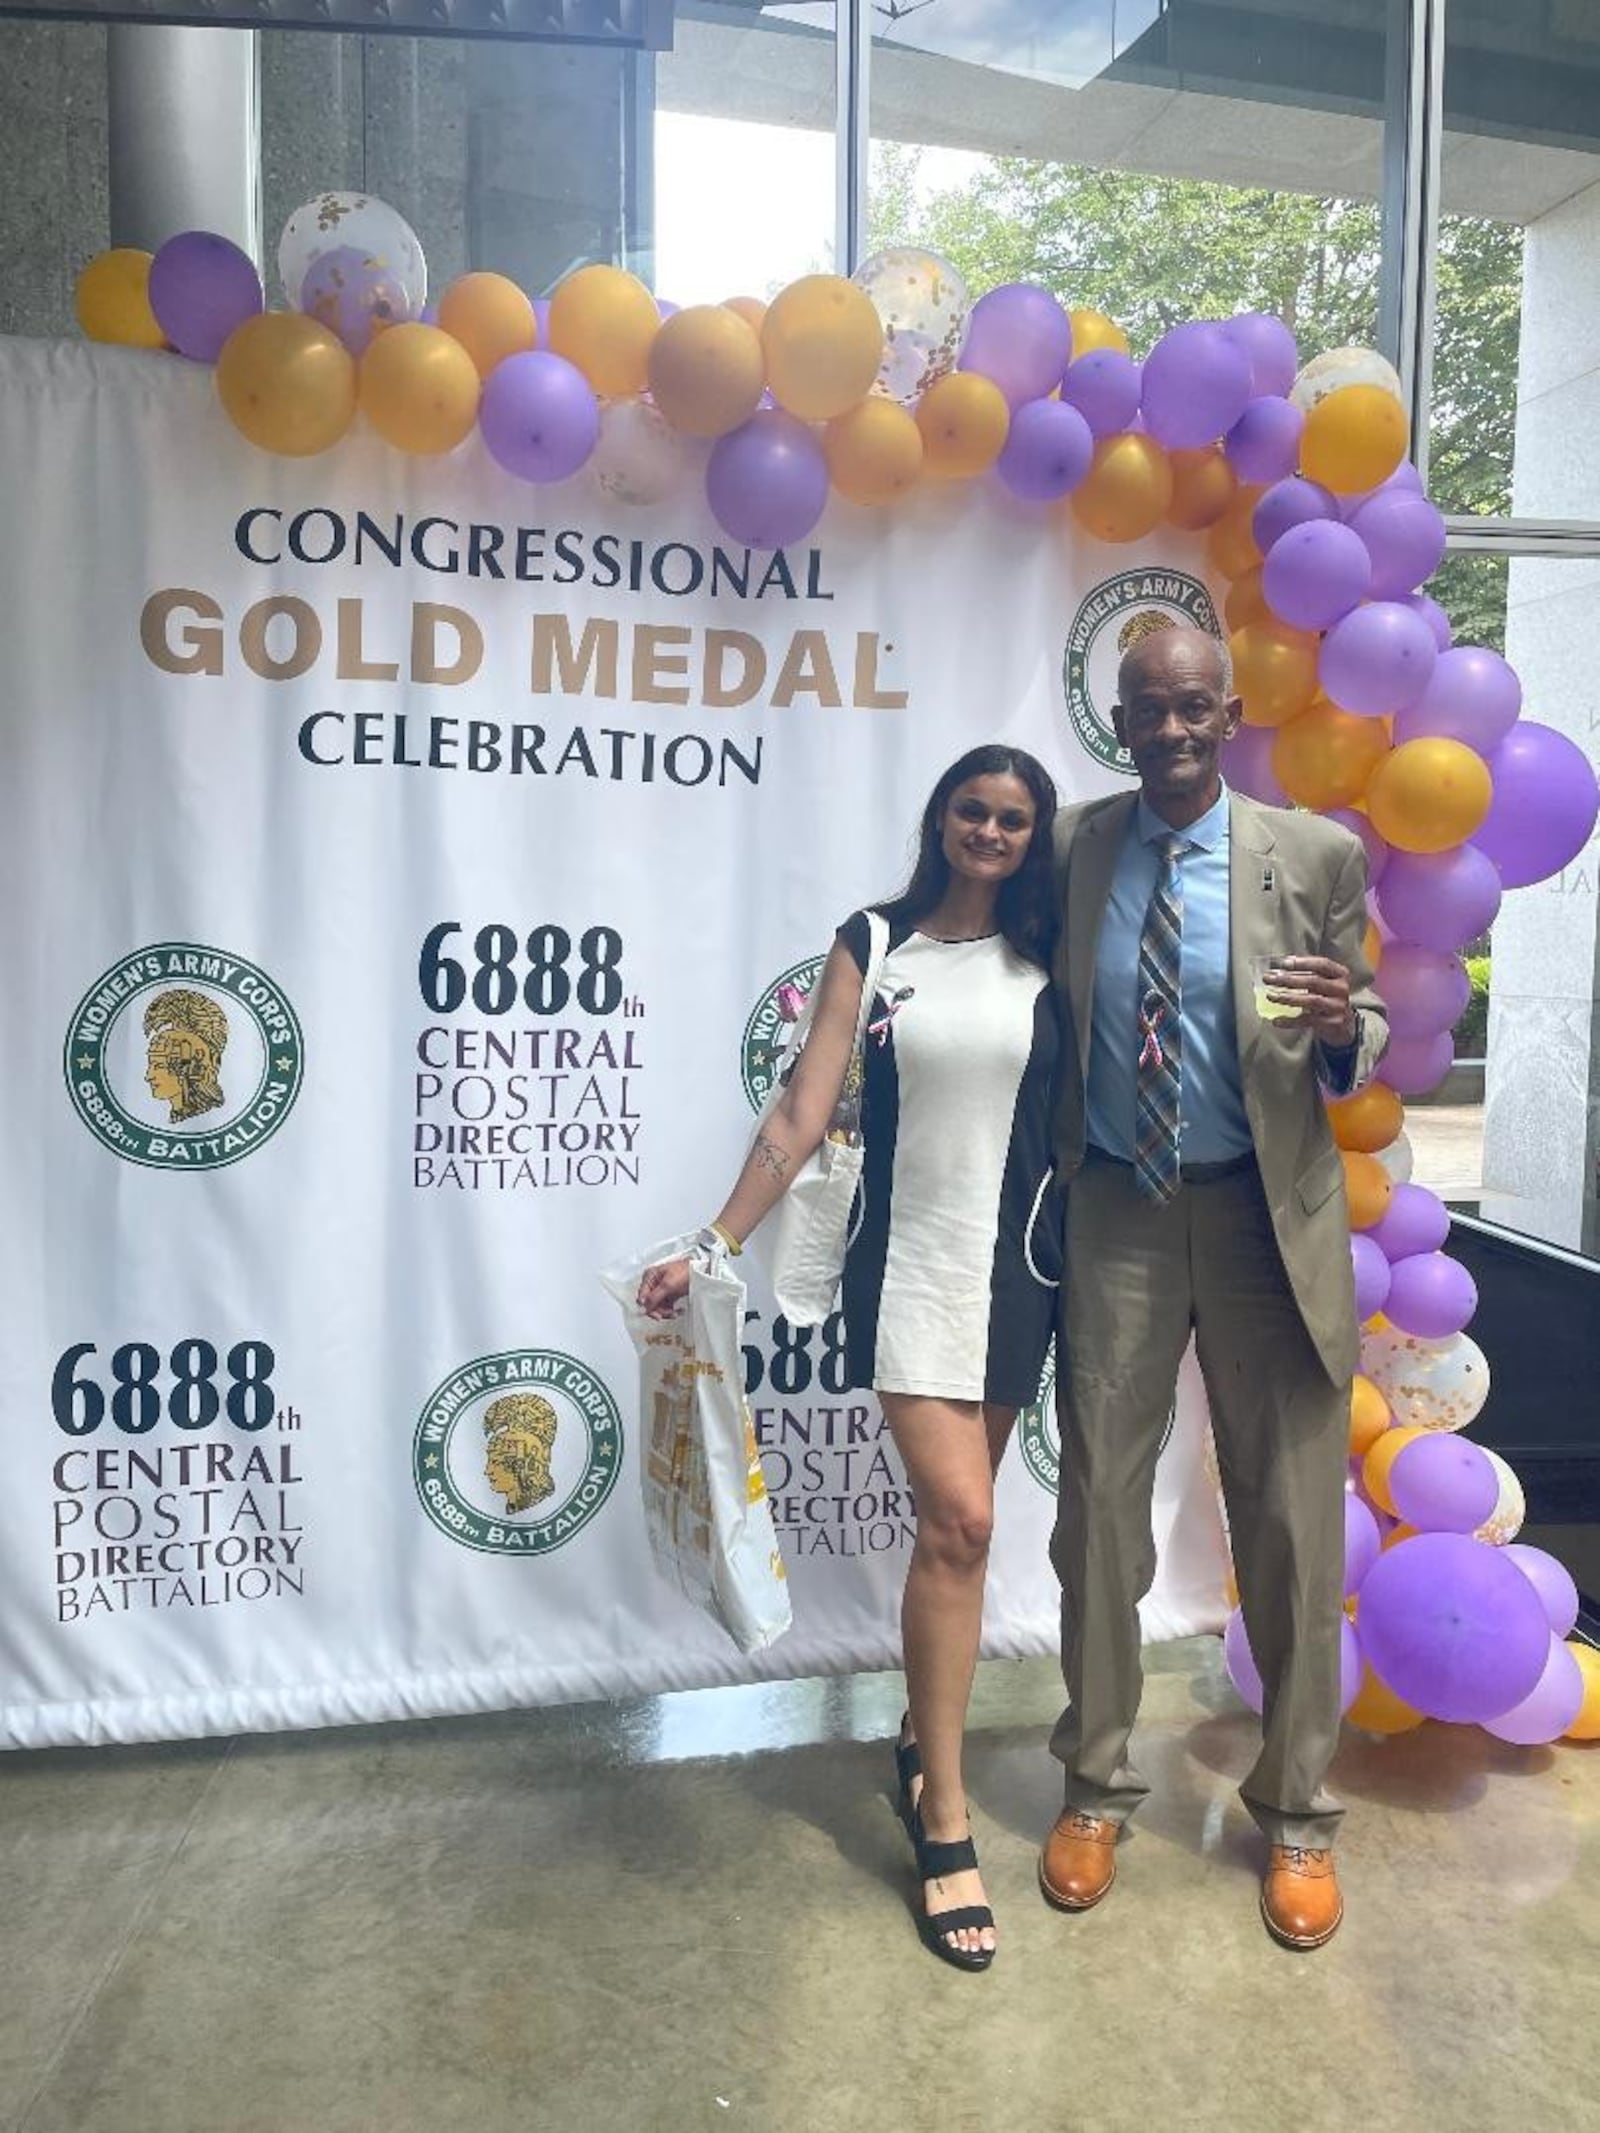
<point>924,305</point>
<point>1504,1522</point>
<point>639,458</point>
<point>370,226</point>
<point>1398,1158</point>
<point>1431,1384</point>
<point>1338,367</point>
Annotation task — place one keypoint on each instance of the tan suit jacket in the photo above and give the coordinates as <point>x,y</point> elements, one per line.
<point>1297,886</point>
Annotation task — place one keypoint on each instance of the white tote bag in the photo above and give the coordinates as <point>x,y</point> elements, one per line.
<point>802,1242</point>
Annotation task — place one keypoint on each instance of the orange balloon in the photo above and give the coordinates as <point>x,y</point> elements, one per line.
<point>1246,602</point>
<point>1372,944</point>
<point>1231,541</point>
<point>874,453</point>
<point>1274,671</point>
<point>1092,329</point>
<point>706,370</point>
<point>1397,1534</point>
<point>1368,1120</point>
<point>1125,493</point>
<point>963,419</point>
<point>750,308</point>
<point>1230,1587</point>
<point>1382,1456</point>
<point>1428,795</point>
<point>112,300</point>
<point>1369,1415</point>
<point>419,389</point>
<point>287,384</point>
<point>823,342</point>
<point>1368,1188</point>
<point>1378,1709</point>
<point>1586,1726</point>
<point>1354,439</point>
<point>491,318</point>
<point>1324,756</point>
<point>603,320</point>
<point>1203,486</point>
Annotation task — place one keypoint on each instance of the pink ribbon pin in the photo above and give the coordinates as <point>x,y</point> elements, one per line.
<point>1151,1016</point>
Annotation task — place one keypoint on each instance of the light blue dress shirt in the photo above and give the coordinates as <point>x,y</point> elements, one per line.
<point>1213,1127</point>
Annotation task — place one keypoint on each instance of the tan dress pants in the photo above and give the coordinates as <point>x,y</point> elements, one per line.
<point>1139,1276</point>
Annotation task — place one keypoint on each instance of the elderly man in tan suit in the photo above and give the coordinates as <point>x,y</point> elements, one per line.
<point>1205,1196</point>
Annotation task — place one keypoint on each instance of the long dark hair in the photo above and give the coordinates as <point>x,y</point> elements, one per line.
<point>1026,907</point>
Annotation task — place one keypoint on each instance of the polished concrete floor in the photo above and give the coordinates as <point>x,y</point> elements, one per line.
<point>692,1913</point>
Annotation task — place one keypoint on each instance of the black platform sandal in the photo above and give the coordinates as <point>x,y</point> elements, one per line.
<point>934,1861</point>
<point>907,1765</point>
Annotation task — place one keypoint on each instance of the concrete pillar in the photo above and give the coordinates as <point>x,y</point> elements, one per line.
<point>53,208</point>
<point>185,135</point>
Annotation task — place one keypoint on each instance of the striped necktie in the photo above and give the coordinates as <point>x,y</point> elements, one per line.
<point>1160,1079</point>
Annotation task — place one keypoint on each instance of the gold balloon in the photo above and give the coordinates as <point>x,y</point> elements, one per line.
<point>1203,487</point>
<point>1369,1416</point>
<point>1586,1726</point>
<point>113,300</point>
<point>1246,602</point>
<point>287,383</point>
<point>1126,492</point>
<point>1354,439</point>
<point>706,371</point>
<point>1378,1709</point>
<point>1368,1188</point>
<point>1430,794</point>
<point>1274,671</point>
<point>1092,329</point>
<point>1231,539</point>
<point>603,320</point>
<point>823,342</point>
<point>963,420</point>
<point>1324,756</point>
<point>419,389</point>
<point>1377,1465</point>
<point>491,318</point>
<point>874,453</point>
<point>750,308</point>
<point>1372,943</point>
<point>1368,1120</point>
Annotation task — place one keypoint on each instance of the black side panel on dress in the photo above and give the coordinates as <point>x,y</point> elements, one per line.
<point>862,1287</point>
<point>1029,1231</point>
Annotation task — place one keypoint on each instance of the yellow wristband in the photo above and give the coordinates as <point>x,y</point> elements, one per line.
<point>728,1238</point>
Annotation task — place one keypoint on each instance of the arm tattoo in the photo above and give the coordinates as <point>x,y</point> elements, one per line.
<point>768,1156</point>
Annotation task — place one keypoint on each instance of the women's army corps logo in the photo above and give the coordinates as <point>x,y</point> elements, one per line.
<point>516,1452</point>
<point>1106,627</point>
<point>767,1031</point>
<point>183,1058</point>
<point>1039,1433</point>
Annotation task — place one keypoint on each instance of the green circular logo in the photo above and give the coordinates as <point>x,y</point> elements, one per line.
<point>515,1453</point>
<point>1039,1435</point>
<point>1110,621</point>
<point>763,1042</point>
<point>183,1058</point>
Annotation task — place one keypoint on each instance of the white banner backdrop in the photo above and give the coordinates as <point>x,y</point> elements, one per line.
<point>399,865</point>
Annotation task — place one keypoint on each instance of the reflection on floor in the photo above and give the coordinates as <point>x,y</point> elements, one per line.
<point>691,1912</point>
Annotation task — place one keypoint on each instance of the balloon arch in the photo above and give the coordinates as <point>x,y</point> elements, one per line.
<point>1357,703</point>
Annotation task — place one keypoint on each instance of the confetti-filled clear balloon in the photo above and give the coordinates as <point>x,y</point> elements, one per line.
<point>353,296</point>
<point>924,305</point>
<point>1337,367</point>
<point>638,458</point>
<point>360,223</point>
<point>1429,1384</point>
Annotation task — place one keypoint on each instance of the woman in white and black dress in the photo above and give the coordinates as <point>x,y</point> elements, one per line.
<point>949,1285</point>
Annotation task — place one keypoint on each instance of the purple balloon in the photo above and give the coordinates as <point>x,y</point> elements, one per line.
<point>1452,1628</point>
<point>1549,1707</point>
<point>1376,849</point>
<point>1291,502</point>
<point>353,296</point>
<point>1362,1542</point>
<point>1269,347</point>
<point>1264,444</point>
<point>541,320</point>
<point>1246,1675</point>
<point>1552,1581</point>
<point>1414,1221</point>
<point>1544,806</point>
<point>1377,660</point>
<point>1412,1066</point>
<point>1440,899</point>
<point>1047,451</point>
<point>1404,535</point>
<point>1196,386</point>
<point>1430,1297</point>
<point>767,482</point>
<point>201,288</point>
<point>1247,766</point>
<point>1019,337</point>
<point>1424,990</point>
<point>1443,1484</point>
<point>1315,572</point>
<point>539,418</point>
<point>1372,1275</point>
<point>1104,387</point>
<point>1405,477</point>
<point>667,308</point>
<point>1472,696</point>
<point>1434,615</point>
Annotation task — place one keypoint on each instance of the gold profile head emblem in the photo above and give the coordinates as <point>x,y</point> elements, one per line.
<point>188,1034</point>
<point>1147,622</point>
<point>520,1429</point>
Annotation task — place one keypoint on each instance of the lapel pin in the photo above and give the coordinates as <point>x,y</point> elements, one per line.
<point>1269,880</point>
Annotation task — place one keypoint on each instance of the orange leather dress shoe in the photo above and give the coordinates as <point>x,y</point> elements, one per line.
<point>1079,1860</point>
<point>1300,1898</point>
